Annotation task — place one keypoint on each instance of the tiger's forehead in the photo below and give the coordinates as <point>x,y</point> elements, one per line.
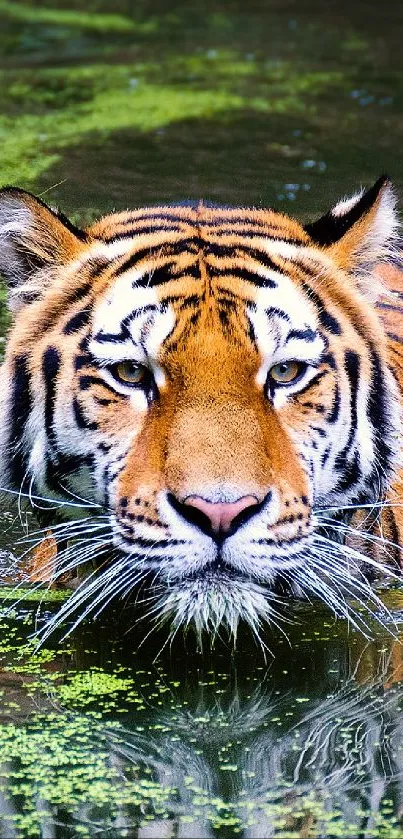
<point>184,268</point>
<point>198,218</point>
<point>160,244</point>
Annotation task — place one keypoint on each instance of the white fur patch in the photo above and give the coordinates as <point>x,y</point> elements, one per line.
<point>123,298</point>
<point>15,221</point>
<point>146,329</point>
<point>346,204</point>
<point>270,329</point>
<point>380,241</point>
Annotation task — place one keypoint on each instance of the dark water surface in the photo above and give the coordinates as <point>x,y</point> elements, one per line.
<point>281,103</point>
<point>108,105</point>
<point>96,738</point>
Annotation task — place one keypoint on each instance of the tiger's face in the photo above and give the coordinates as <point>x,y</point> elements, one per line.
<point>213,382</point>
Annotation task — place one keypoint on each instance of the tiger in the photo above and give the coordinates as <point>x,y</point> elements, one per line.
<point>205,403</point>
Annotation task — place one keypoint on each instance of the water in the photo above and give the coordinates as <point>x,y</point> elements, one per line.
<point>96,737</point>
<point>282,103</point>
<point>290,104</point>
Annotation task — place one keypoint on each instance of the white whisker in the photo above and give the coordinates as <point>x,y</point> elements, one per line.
<point>58,502</point>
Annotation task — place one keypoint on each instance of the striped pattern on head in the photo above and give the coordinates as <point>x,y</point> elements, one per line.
<point>211,380</point>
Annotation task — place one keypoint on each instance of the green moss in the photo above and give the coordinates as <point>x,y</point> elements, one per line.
<point>27,594</point>
<point>66,18</point>
<point>180,758</point>
<point>107,107</point>
<point>239,106</point>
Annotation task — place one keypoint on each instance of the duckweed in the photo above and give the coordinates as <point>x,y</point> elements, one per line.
<point>67,757</point>
<point>28,594</point>
<point>108,107</point>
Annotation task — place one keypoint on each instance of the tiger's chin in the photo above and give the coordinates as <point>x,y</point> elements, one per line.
<point>218,600</point>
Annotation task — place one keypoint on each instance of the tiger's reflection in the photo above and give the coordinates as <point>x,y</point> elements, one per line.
<point>262,754</point>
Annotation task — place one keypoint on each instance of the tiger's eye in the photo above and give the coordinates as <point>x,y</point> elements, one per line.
<point>286,372</point>
<point>130,373</point>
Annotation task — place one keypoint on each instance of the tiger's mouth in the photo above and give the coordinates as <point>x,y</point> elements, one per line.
<point>221,592</point>
<point>216,564</point>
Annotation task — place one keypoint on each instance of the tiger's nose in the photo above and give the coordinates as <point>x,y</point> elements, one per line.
<point>221,514</point>
<point>217,519</point>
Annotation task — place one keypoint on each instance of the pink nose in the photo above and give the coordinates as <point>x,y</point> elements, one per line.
<point>221,514</point>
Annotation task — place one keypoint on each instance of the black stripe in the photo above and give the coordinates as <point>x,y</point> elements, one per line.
<point>76,322</point>
<point>378,404</point>
<point>278,313</point>
<point>326,319</point>
<point>325,455</point>
<point>191,301</point>
<point>228,303</point>
<point>251,334</point>
<point>132,232</point>
<point>83,360</point>
<point>96,266</point>
<point>351,474</point>
<point>86,382</point>
<point>329,359</point>
<point>242,274</point>
<point>249,233</point>
<point>334,413</point>
<point>104,402</point>
<point>124,334</point>
<point>154,278</point>
<point>352,368</point>
<point>50,370</point>
<point>78,294</point>
<point>20,407</point>
<point>378,407</point>
<point>302,334</point>
<point>313,406</point>
<point>241,251</point>
<point>158,217</point>
<point>191,271</point>
<point>391,306</point>
<point>80,417</point>
<point>393,337</point>
<point>311,383</point>
<point>259,227</point>
<point>321,431</point>
<point>191,246</point>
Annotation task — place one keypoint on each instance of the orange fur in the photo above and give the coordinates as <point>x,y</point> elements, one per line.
<point>214,424</point>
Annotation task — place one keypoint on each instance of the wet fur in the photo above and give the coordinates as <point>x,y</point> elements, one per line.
<point>209,299</point>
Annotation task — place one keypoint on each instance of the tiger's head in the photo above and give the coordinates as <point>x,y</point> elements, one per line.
<point>213,382</point>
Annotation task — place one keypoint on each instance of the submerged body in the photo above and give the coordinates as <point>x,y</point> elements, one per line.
<point>220,388</point>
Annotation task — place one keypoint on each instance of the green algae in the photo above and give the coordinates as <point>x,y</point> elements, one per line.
<point>67,762</point>
<point>64,761</point>
<point>68,756</point>
<point>29,594</point>
<point>103,108</point>
<point>97,747</point>
<point>175,101</point>
<point>65,17</point>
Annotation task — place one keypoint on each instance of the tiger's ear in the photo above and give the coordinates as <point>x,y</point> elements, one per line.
<point>33,239</point>
<point>360,232</point>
